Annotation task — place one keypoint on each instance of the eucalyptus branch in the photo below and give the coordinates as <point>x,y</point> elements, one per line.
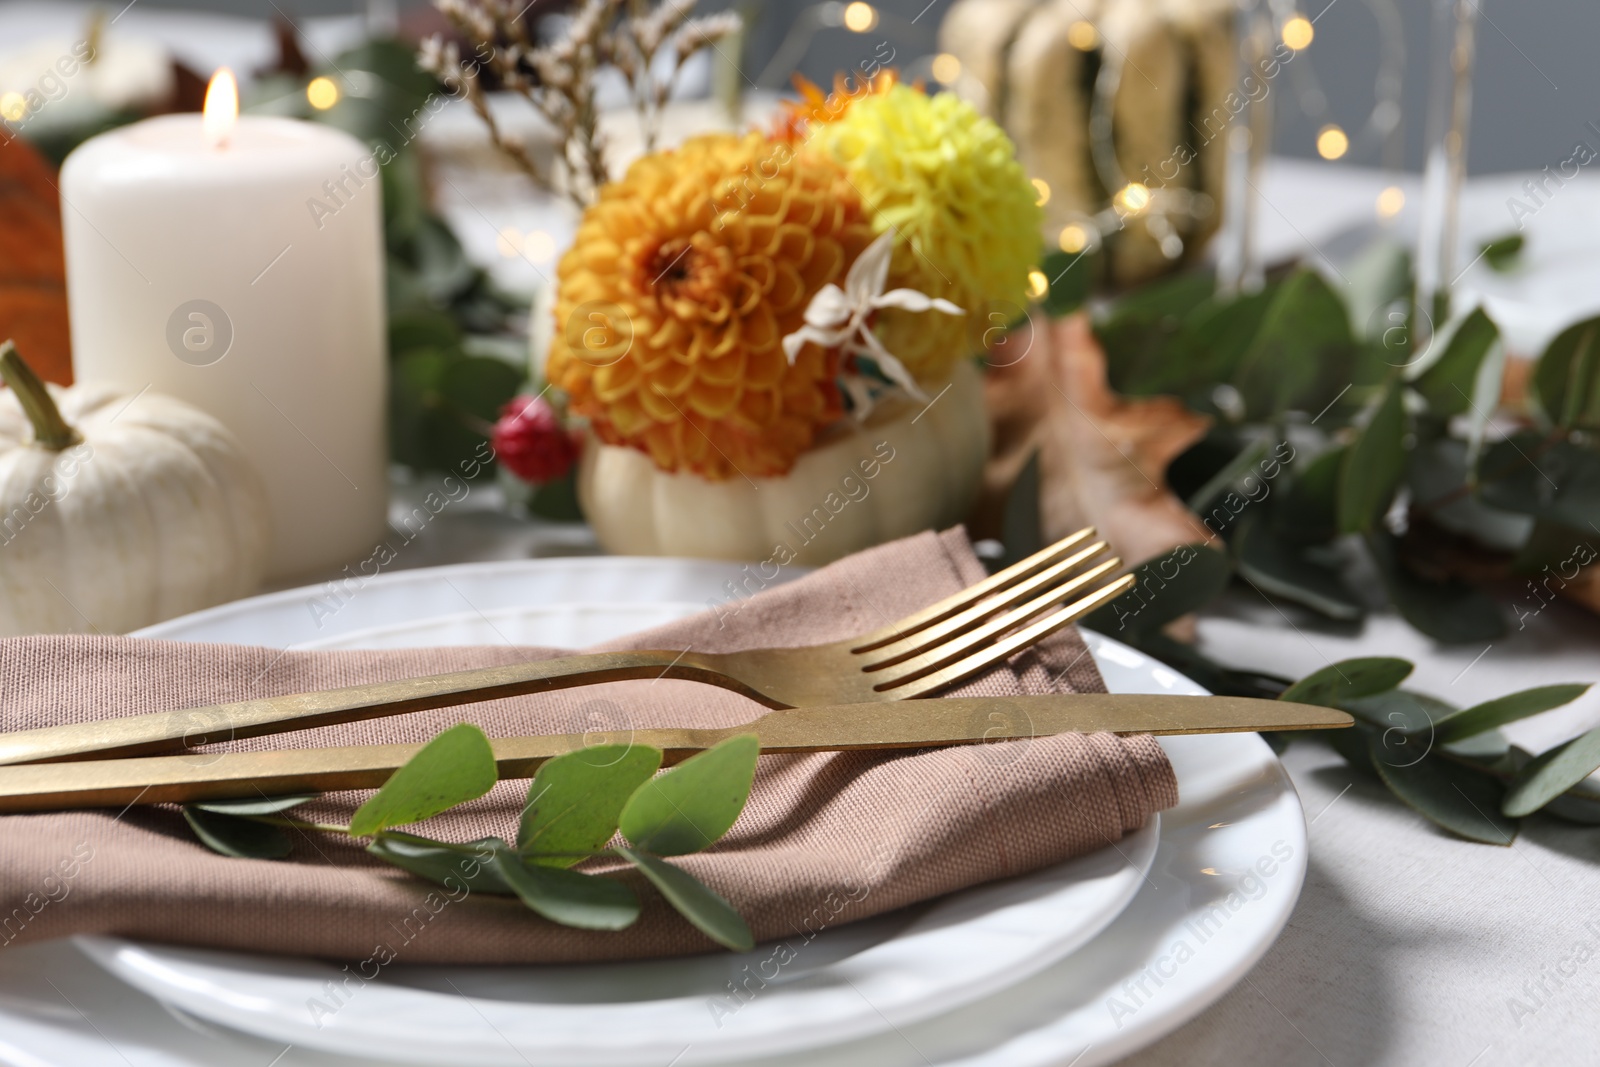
<point>1470,486</point>
<point>577,803</point>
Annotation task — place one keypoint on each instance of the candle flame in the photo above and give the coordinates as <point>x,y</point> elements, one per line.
<point>222,108</point>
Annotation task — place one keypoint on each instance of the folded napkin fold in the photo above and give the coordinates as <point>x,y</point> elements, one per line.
<point>825,839</point>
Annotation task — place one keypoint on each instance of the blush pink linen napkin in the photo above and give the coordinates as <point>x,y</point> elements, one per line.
<point>825,839</point>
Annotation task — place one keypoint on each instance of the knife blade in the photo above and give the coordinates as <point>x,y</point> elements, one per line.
<point>909,724</point>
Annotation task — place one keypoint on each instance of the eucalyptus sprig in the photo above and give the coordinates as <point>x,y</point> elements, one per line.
<point>1395,469</point>
<point>1404,463</point>
<point>577,803</point>
<point>1453,765</point>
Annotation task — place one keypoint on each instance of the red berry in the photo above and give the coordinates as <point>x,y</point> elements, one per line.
<point>530,441</point>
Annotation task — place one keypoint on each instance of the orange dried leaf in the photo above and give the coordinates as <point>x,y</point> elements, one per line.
<point>1102,457</point>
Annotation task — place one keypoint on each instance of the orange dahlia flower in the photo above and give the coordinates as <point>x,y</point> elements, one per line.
<point>673,302</point>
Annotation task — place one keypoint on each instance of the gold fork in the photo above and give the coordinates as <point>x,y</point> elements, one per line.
<point>927,650</point>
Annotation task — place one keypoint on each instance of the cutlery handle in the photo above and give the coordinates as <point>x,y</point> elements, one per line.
<point>911,724</point>
<point>119,783</point>
<point>188,728</point>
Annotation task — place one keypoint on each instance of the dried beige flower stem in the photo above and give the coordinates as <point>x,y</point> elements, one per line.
<point>564,92</point>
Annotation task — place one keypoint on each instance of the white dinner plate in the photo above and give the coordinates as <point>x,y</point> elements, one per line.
<point>849,982</point>
<point>1225,876</point>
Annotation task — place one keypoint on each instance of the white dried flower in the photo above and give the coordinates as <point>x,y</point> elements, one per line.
<point>839,318</point>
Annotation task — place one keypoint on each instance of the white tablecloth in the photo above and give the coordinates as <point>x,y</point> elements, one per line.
<point>1409,947</point>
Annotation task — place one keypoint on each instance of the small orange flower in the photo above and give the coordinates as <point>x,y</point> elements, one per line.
<point>674,299</point>
<point>816,107</point>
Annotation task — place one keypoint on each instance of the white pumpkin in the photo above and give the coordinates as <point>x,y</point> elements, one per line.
<point>1038,62</point>
<point>908,467</point>
<point>118,510</point>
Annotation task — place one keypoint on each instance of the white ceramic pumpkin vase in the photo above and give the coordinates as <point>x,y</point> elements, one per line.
<point>908,467</point>
<point>118,511</point>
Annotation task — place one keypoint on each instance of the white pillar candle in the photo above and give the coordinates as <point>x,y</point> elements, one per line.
<point>241,269</point>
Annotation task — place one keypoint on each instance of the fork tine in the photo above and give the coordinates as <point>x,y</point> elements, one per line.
<point>986,658</point>
<point>918,620</point>
<point>933,636</point>
<point>980,636</point>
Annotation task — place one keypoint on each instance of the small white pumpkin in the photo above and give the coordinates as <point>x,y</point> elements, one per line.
<point>908,467</point>
<point>118,511</point>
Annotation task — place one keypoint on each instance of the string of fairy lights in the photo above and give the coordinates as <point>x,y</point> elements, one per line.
<point>1156,206</point>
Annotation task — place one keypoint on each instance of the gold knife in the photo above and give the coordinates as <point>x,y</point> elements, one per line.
<point>909,724</point>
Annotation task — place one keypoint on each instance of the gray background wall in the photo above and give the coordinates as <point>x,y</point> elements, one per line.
<point>1538,78</point>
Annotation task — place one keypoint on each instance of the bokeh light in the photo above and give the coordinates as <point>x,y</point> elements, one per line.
<point>322,93</point>
<point>1332,142</point>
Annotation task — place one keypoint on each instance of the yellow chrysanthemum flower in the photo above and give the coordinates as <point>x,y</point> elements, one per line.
<point>948,181</point>
<point>675,297</point>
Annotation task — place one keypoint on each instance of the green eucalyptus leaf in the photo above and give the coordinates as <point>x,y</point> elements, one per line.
<point>574,800</point>
<point>442,862</point>
<point>1295,357</point>
<point>1438,472</point>
<point>695,901</point>
<point>1403,710</point>
<point>480,385</point>
<point>1452,612</point>
<point>1566,380</point>
<point>1071,277</point>
<point>1378,279</point>
<point>1580,804</point>
<point>1447,385</point>
<point>1308,511</point>
<point>416,424</point>
<point>1174,297</point>
<point>1400,724</point>
<point>423,328</point>
<point>254,805</point>
<point>238,837</point>
<point>695,803</point>
<point>441,265</point>
<point>1574,807</point>
<point>1144,333</point>
<point>1501,254</point>
<point>1372,468</point>
<point>1202,461</point>
<point>1461,799</point>
<point>1206,672</point>
<point>1553,773</point>
<point>1558,481</point>
<point>587,901</point>
<point>1487,749</point>
<point>420,371</point>
<point>1231,476</point>
<point>453,768</point>
<point>1214,340</point>
<point>1350,679</point>
<point>1509,708</point>
<point>1553,553</point>
<point>405,205</point>
<point>1354,745</point>
<point>1282,569</point>
<point>1165,588</point>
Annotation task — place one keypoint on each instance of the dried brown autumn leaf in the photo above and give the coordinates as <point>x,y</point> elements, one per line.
<point>33,278</point>
<point>1102,457</point>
